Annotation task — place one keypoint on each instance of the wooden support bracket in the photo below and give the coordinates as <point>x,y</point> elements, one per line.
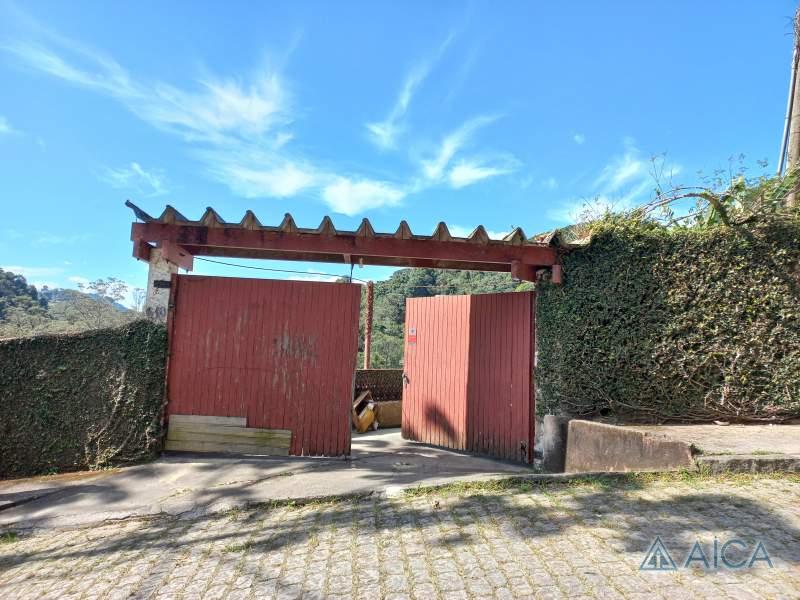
<point>177,255</point>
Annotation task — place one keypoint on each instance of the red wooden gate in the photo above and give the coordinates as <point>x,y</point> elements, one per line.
<point>280,353</point>
<point>469,373</point>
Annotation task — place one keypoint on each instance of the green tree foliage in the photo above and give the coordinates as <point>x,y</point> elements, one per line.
<point>25,311</point>
<point>390,303</point>
<point>16,293</point>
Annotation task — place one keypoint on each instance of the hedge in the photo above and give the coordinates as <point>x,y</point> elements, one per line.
<point>655,324</point>
<point>79,401</point>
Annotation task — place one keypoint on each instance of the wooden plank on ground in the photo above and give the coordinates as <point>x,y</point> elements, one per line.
<point>267,438</point>
<point>225,430</point>
<point>195,446</point>
<point>208,420</point>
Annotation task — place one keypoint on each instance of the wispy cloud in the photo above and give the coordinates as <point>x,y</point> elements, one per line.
<point>351,197</point>
<point>621,171</point>
<point>384,133</point>
<point>30,272</point>
<point>135,177</point>
<point>314,276</point>
<point>5,126</point>
<point>550,183</point>
<point>240,129</point>
<point>466,173</point>
<point>50,239</point>
<point>279,181</point>
<point>579,139</point>
<point>434,168</point>
<point>623,183</point>
<point>461,231</point>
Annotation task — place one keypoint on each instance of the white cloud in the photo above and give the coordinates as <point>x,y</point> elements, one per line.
<point>76,279</point>
<point>215,111</point>
<point>280,181</point>
<point>5,126</point>
<point>621,171</point>
<point>550,183</point>
<point>312,276</point>
<point>623,183</point>
<point>576,211</point>
<point>135,177</point>
<point>463,232</point>
<point>452,143</point>
<point>579,138</point>
<point>384,133</point>
<point>351,197</point>
<point>49,239</point>
<point>30,272</point>
<point>240,128</point>
<point>466,173</point>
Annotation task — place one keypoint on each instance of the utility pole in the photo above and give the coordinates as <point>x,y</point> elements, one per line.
<point>791,130</point>
<point>368,326</point>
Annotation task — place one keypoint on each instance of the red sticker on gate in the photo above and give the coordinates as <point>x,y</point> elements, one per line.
<point>412,335</point>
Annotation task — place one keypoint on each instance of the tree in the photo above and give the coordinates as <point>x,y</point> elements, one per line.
<point>390,303</point>
<point>15,292</point>
<point>138,295</point>
<point>99,304</point>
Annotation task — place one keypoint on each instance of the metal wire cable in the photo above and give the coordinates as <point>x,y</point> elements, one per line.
<point>276,270</point>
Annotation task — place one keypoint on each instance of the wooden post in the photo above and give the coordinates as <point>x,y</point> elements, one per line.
<point>368,326</point>
<point>793,151</point>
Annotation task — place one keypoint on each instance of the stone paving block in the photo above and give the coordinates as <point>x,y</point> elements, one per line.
<point>568,542</point>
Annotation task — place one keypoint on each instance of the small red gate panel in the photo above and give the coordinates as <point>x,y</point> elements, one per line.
<point>280,353</point>
<point>469,373</point>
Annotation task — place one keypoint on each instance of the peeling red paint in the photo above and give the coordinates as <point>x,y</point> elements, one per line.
<point>469,373</point>
<point>281,353</point>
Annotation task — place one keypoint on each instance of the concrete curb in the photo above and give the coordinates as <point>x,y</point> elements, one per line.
<point>749,463</point>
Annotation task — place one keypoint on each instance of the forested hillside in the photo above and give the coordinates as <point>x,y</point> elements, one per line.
<point>26,311</point>
<point>390,303</point>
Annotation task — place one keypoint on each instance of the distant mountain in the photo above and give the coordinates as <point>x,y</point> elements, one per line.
<point>68,295</point>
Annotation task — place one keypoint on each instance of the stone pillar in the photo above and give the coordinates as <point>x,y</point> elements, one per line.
<point>159,275</point>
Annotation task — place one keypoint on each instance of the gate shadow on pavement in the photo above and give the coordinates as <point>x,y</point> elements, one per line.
<point>622,517</point>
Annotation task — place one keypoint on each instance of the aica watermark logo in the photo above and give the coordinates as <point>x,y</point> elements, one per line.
<point>731,554</point>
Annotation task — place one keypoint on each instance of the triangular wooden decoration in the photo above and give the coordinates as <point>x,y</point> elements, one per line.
<point>442,233</point>
<point>288,225</point>
<point>365,229</point>
<point>140,214</point>
<point>250,221</point>
<point>170,216</point>
<point>326,227</point>
<point>516,237</point>
<point>403,231</point>
<point>211,218</point>
<point>479,236</point>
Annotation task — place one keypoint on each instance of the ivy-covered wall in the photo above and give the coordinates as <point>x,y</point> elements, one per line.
<point>655,324</point>
<point>83,400</point>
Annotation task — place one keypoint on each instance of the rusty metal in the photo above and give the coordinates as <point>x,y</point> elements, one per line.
<point>248,238</point>
<point>280,353</point>
<point>469,373</point>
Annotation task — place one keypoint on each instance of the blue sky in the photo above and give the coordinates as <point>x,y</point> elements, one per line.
<point>511,114</point>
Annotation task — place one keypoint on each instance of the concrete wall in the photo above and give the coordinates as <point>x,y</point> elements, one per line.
<point>597,447</point>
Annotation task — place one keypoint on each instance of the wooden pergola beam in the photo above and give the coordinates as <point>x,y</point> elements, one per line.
<point>290,243</point>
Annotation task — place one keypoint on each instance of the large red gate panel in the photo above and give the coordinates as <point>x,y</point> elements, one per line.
<point>469,373</point>
<point>280,353</point>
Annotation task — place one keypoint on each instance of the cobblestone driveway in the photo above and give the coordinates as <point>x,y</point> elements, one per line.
<point>503,541</point>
